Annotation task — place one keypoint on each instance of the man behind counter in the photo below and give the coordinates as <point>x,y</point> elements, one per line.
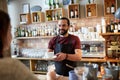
<point>67,50</point>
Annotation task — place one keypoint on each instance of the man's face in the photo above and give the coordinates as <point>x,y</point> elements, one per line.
<point>63,27</point>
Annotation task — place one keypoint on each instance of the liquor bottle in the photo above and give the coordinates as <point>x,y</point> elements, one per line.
<point>92,1</point>
<point>35,17</point>
<point>108,29</point>
<point>19,32</point>
<point>89,12</point>
<point>108,9</point>
<point>22,32</point>
<point>119,26</point>
<point>33,32</point>
<point>112,27</point>
<point>76,12</point>
<point>15,51</point>
<point>50,5</point>
<point>26,32</point>
<point>57,4</point>
<point>49,18</point>
<point>116,26</point>
<point>38,18</point>
<point>60,14</point>
<point>30,32</point>
<point>54,5</point>
<point>103,23</point>
<point>71,13</point>
<point>72,1</point>
<point>113,8</point>
<point>46,30</point>
<point>16,32</point>
<point>56,15</point>
<point>53,15</point>
<point>89,1</point>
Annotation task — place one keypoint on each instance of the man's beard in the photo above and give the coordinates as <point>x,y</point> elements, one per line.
<point>62,31</point>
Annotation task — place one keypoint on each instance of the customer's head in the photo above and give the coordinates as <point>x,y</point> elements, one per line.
<point>63,25</point>
<point>5,32</point>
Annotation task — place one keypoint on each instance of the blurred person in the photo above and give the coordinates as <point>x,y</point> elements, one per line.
<point>10,69</point>
<point>67,51</point>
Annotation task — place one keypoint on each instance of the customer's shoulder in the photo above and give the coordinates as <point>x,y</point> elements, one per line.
<point>9,60</point>
<point>12,63</point>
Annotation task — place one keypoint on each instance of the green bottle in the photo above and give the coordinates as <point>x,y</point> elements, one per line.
<point>50,5</point>
<point>54,5</point>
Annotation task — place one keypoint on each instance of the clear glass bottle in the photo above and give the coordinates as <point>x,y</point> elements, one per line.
<point>72,1</point>
<point>50,5</point>
<point>89,12</point>
<point>57,3</point>
<point>113,8</point>
<point>108,8</point>
<point>71,13</point>
<point>76,12</point>
<point>54,5</point>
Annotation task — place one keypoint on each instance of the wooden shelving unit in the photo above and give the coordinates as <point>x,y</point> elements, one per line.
<point>37,17</point>
<point>33,62</point>
<point>54,14</point>
<point>99,60</point>
<point>39,37</point>
<point>91,10</point>
<point>109,34</point>
<point>108,7</point>
<point>74,9</point>
<point>112,45</point>
<point>25,18</point>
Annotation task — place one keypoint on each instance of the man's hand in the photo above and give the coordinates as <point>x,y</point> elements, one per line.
<point>60,56</point>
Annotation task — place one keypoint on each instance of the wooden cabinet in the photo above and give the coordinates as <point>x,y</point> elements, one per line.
<point>36,65</point>
<point>25,18</point>
<point>54,14</point>
<point>37,17</point>
<point>39,65</point>
<point>112,45</point>
<point>110,7</point>
<point>91,10</point>
<point>74,11</point>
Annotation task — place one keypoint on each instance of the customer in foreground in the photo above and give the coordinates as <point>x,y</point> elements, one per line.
<point>10,69</point>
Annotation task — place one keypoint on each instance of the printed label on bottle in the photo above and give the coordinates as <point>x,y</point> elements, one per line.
<point>108,9</point>
<point>112,9</point>
<point>119,27</point>
<point>89,14</point>
<point>72,14</point>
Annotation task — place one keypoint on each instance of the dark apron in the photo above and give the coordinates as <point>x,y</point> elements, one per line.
<point>60,66</point>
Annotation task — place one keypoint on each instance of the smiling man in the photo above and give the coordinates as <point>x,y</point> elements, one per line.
<point>67,50</point>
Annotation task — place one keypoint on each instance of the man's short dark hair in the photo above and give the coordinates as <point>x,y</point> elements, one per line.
<point>65,18</point>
